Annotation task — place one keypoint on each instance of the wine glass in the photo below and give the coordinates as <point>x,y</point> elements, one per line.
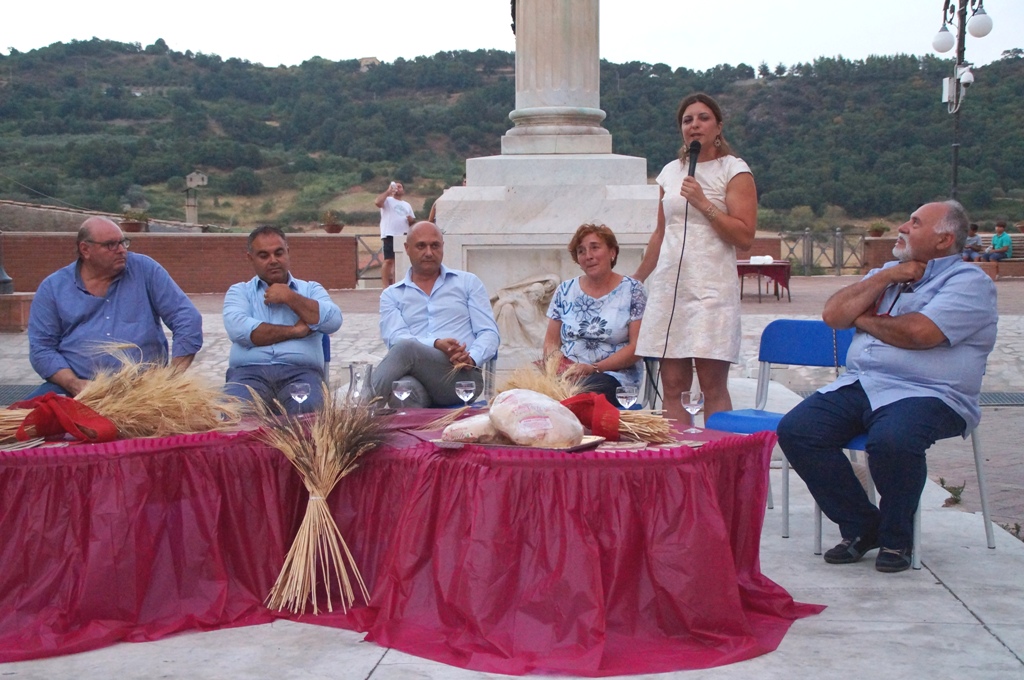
<point>464,390</point>
<point>626,394</point>
<point>299,391</point>
<point>693,402</point>
<point>401,389</point>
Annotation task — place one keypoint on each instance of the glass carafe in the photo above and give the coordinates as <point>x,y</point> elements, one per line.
<point>360,385</point>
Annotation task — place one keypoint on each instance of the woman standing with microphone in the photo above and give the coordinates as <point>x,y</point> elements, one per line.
<point>708,208</point>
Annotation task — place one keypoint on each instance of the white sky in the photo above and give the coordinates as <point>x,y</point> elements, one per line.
<point>694,34</point>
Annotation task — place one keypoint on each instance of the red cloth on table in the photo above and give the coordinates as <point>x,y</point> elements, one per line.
<point>512,561</point>
<point>56,414</point>
<point>594,411</point>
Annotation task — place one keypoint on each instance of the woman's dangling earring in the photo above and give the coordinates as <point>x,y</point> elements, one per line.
<point>718,142</point>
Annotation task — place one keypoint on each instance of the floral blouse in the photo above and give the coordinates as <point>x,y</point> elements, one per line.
<point>595,328</point>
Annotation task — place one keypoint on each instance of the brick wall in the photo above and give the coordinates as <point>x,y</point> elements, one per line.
<point>877,251</point>
<point>199,263</point>
<point>763,245</point>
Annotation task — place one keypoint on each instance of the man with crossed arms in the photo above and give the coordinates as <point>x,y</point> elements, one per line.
<point>925,327</point>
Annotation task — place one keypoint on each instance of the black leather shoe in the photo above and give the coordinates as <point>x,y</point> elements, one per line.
<point>891,560</point>
<point>849,551</point>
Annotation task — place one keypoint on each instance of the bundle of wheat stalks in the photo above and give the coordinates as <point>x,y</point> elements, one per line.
<point>323,452</point>
<point>148,400</point>
<point>644,426</point>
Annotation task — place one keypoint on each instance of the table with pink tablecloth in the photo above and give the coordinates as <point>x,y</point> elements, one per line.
<point>507,560</point>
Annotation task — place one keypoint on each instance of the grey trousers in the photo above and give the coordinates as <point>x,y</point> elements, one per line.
<point>432,376</point>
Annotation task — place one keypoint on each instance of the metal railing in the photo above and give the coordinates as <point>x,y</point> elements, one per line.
<point>376,260</point>
<point>817,252</point>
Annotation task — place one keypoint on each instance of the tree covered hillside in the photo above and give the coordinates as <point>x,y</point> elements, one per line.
<point>101,124</point>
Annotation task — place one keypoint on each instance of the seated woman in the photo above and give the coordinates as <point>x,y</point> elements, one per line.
<point>595,318</point>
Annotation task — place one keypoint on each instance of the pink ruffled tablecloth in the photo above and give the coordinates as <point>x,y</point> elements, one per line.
<point>513,561</point>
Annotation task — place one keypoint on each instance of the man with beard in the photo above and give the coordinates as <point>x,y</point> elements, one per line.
<point>107,296</point>
<point>437,324</point>
<point>925,326</point>
<point>276,323</point>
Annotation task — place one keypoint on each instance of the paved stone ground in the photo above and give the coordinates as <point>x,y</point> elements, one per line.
<point>1001,430</point>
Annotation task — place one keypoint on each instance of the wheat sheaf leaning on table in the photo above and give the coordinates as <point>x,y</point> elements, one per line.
<point>148,400</point>
<point>322,449</point>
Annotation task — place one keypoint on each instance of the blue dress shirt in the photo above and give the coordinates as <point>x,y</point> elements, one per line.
<point>458,307</point>
<point>67,324</point>
<point>958,298</point>
<point>244,310</point>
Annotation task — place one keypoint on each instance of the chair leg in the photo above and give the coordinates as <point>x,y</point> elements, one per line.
<point>982,488</point>
<point>785,497</point>
<point>915,558</point>
<point>771,499</point>
<point>817,529</point>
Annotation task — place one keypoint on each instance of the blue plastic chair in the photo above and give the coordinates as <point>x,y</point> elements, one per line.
<point>326,341</point>
<point>793,342</point>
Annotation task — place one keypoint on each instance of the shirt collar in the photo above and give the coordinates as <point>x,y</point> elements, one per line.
<point>261,284</point>
<point>940,264</point>
<point>78,272</point>
<point>441,275</point>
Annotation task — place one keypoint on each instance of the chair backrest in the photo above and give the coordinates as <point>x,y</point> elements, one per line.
<point>804,342</point>
<point>798,342</point>
<point>326,341</point>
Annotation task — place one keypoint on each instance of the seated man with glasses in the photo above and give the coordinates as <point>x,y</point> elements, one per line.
<point>925,327</point>
<point>107,295</point>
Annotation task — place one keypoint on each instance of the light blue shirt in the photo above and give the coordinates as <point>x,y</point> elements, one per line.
<point>68,325</point>
<point>961,300</point>
<point>458,307</point>
<point>245,310</point>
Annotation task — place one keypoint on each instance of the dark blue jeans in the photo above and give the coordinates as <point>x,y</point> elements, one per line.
<point>814,433</point>
<point>272,381</point>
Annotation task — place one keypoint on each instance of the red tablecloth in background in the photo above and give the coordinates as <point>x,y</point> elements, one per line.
<point>597,563</point>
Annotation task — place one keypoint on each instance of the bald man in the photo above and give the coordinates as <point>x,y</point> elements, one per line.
<point>925,326</point>
<point>107,295</point>
<point>437,324</point>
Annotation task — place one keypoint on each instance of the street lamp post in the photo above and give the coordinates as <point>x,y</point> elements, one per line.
<point>954,13</point>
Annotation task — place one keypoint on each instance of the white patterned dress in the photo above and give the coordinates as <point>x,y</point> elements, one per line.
<point>593,329</point>
<point>700,315</point>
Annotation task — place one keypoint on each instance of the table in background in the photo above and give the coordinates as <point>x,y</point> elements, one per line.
<point>778,271</point>
<point>511,561</point>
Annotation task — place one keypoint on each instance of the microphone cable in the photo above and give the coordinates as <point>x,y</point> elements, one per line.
<point>692,153</point>
<point>675,289</point>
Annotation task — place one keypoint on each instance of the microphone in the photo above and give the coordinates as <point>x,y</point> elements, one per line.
<point>694,152</point>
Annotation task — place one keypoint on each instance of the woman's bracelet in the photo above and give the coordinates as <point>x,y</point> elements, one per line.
<point>596,369</point>
<point>711,211</point>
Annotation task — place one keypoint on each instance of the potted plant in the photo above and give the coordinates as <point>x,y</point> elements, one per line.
<point>331,222</point>
<point>134,220</point>
<point>878,229</point>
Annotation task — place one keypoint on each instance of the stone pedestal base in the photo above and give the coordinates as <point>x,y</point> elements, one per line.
<point>516,214</point>
<point>14,312</point>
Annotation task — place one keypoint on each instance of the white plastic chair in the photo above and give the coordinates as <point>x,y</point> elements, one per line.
<point>857,444</point>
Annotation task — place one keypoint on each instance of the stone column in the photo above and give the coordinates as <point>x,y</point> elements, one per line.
<point>558,80</point>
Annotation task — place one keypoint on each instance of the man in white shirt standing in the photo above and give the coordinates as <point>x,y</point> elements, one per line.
<point>396,216</point>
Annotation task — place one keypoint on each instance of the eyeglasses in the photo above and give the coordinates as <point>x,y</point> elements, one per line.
<point>112,245</point>
<point>900,289</point>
